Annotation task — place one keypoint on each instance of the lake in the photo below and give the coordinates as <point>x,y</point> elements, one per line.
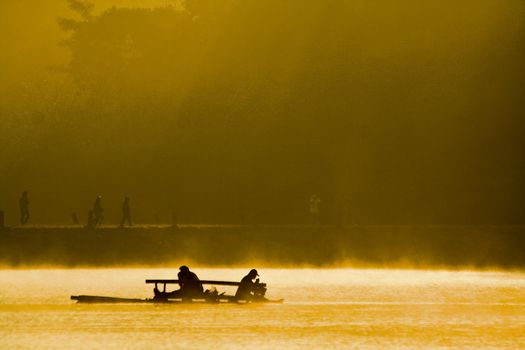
<point>323,309</point>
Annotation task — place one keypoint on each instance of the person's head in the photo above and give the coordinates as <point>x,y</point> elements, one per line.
<point>24,194</point>
<point>184,269</point>
<point>253,273</point>
<point>126,199</point>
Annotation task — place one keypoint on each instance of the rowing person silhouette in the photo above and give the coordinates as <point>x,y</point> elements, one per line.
<point>249,290</point>
<point>190,287</point>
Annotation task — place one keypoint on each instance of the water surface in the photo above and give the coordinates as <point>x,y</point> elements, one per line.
<point>323,309</point>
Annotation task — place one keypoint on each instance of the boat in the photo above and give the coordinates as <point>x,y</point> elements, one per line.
<point>209,296</point>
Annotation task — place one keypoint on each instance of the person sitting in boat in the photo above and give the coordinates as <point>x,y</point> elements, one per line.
<point>190,286</point>
<point>248,289</point>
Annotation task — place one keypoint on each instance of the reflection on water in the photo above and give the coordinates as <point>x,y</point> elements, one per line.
<point>341,308</point>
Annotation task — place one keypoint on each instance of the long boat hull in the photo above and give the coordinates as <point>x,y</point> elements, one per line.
<point>93,299</point>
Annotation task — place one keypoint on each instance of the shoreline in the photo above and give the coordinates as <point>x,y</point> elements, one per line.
<point>439,247</point>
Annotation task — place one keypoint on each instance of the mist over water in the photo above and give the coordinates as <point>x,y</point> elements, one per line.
<point>434,247</point>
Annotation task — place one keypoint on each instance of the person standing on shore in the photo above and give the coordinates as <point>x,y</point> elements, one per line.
<point>24,208</point>
<point>315,210</point>
<point>126,213</point>
<point>91,220</point>
<point>98,211</point>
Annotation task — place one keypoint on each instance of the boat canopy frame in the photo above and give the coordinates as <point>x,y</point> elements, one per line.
<point>164,282</point>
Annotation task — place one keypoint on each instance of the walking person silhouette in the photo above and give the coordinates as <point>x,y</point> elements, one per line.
<point>126,212</point>
<point>24,208</point>
<point>98,211</point>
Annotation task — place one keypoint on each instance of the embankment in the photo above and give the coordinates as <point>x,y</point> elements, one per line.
<point>395,246</point>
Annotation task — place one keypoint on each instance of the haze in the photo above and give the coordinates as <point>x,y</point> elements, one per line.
<point>237,111</point>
